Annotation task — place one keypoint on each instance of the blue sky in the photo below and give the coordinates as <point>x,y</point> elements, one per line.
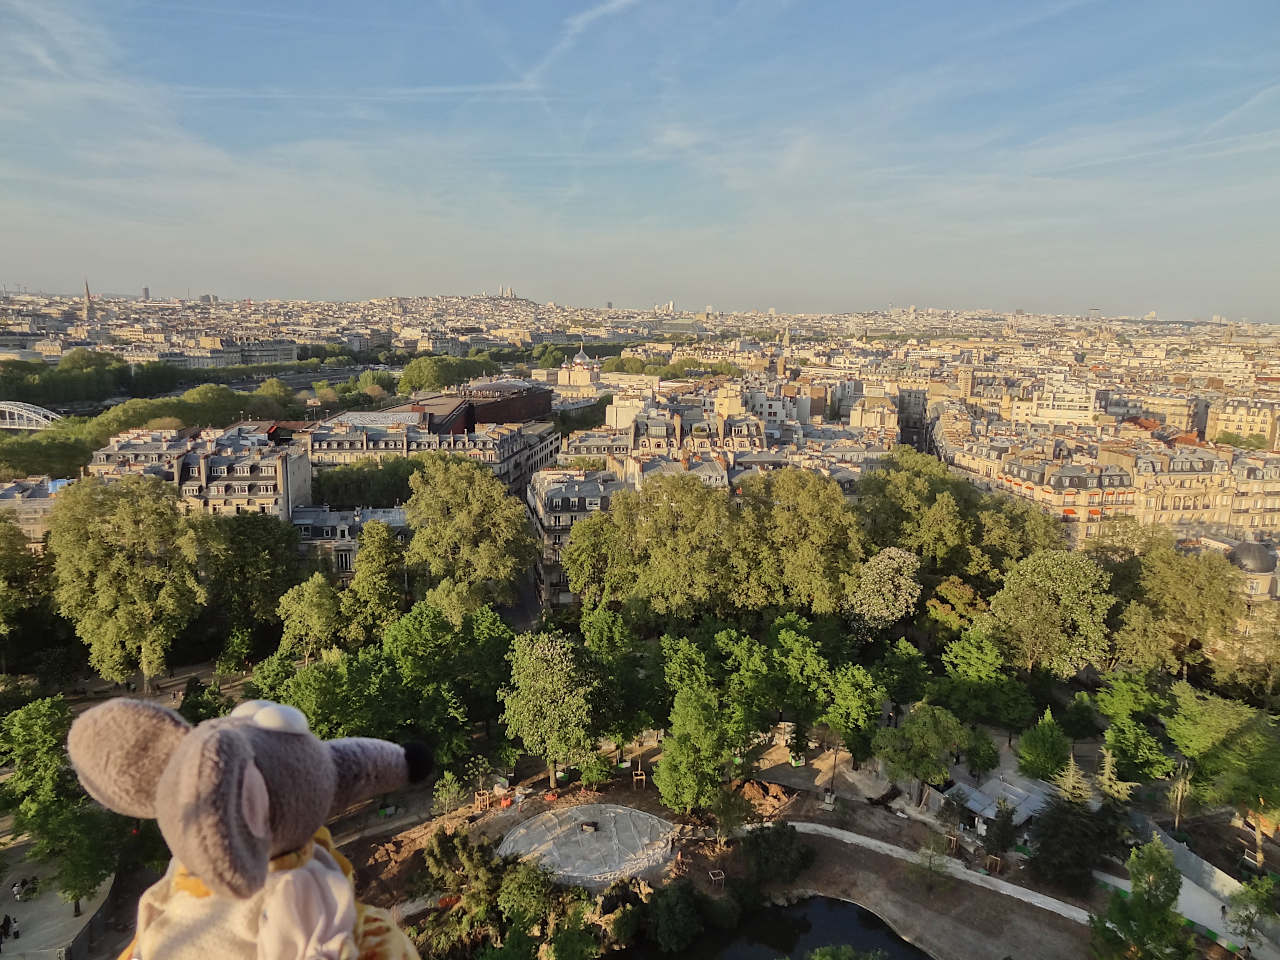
<point>1044,154</point>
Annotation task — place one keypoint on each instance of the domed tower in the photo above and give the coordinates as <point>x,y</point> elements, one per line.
<point>1258,564</point>
<point>1254,558</point>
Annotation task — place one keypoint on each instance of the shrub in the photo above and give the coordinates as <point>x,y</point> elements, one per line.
<point>776,853</point>
<point>595,771</point>
<point>625,924</point>
<point>674,920</point>
<point>722,913</point>
<point>525,893</point>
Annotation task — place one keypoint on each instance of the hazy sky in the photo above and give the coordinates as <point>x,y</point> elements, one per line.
<point>1044,154</point>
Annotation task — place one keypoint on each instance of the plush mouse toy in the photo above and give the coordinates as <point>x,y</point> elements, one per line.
<point>242,801</point>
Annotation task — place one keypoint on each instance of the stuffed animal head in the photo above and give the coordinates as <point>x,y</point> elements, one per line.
<point>231,793</point>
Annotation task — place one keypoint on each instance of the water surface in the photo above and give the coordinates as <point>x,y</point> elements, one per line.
<point>792,932</point>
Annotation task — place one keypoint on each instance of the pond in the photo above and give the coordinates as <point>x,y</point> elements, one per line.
<point>792,932</point>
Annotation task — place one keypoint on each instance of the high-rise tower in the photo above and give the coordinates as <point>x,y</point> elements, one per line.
<point>88,304</point>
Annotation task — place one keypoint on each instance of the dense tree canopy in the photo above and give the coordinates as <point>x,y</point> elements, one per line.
<point>82,840</point>
<point>1144,925</point>
<point>548,705</point>
<point>374,598</point>
<point>311,614</point>
<point>470,536</point>
<point>436,373</point>
<point>126,564</point>
<point>1051,612</point>
<point>918,749</point>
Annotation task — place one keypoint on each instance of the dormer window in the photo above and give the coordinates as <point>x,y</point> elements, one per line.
<point>219,471</point>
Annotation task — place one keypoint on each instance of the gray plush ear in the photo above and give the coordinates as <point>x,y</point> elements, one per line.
<point>120,750</point>
<point>368,767</point>
<point>214,810</point>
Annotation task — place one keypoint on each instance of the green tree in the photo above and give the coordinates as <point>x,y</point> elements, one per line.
<point>1138,753</point>
<point>1235,752</point>
<point>974,658</point>
<point>250,561</point>
<point>548,703</point>
<point>732,810</point>
<point>270,677</point>
<point>471,657</point>
<point>126,567</point>
<point>19,585</point>
<point>1066,840</point>
<point>803,673</point>
<point>776,853</point>
<point>372,600</point>
<point>853,710</point>
<point>1112,787</point>
<point>67,829</point>
<point>674,919</point>
<point>1250,906</point>
<point>1145,924</point>
<point>469,534</point>
<point>1051,612</point>
<point>811,534</point>
<point>694,752</point>
<point>1044,749</point>
<point>312,616</point>
<point>364,694</point>
<point>1180,791</point>
<point>1194,600</point>
<point>1001,832</point>
<point>953,608</point>
<point>982,755</point>
<point>902,672</point>
<point>662,551</point>
<point>918,749</point>
<point>525,893</point>
<point>1079,721</point>
<point>201,701</point>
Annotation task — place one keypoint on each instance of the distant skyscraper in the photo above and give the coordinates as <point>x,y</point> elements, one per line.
<point>88,304</point>
<point>146,293</point>
<point>609,305</point>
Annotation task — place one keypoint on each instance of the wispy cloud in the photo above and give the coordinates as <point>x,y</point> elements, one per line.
<point>573,28</point>
<point>1267,95</point>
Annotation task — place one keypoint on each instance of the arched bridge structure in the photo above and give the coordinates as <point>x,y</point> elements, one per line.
<point>25,416</point>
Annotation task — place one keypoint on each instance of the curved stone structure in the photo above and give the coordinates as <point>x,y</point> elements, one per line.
<point>623,843</point>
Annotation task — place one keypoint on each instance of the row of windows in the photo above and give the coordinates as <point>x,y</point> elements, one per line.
<point>396,445</point>
<point>246,470</point>
<point>243,489</point>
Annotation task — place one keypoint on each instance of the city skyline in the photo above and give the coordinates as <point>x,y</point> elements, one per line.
<point>1052,156</point>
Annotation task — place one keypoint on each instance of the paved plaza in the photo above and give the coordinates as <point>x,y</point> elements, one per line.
<point>594,844</point>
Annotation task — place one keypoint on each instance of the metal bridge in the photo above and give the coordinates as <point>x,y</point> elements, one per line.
<point>25,416</point>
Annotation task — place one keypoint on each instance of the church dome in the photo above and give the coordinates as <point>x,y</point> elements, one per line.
<point>1253,558</point>
<point>581,357</point>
